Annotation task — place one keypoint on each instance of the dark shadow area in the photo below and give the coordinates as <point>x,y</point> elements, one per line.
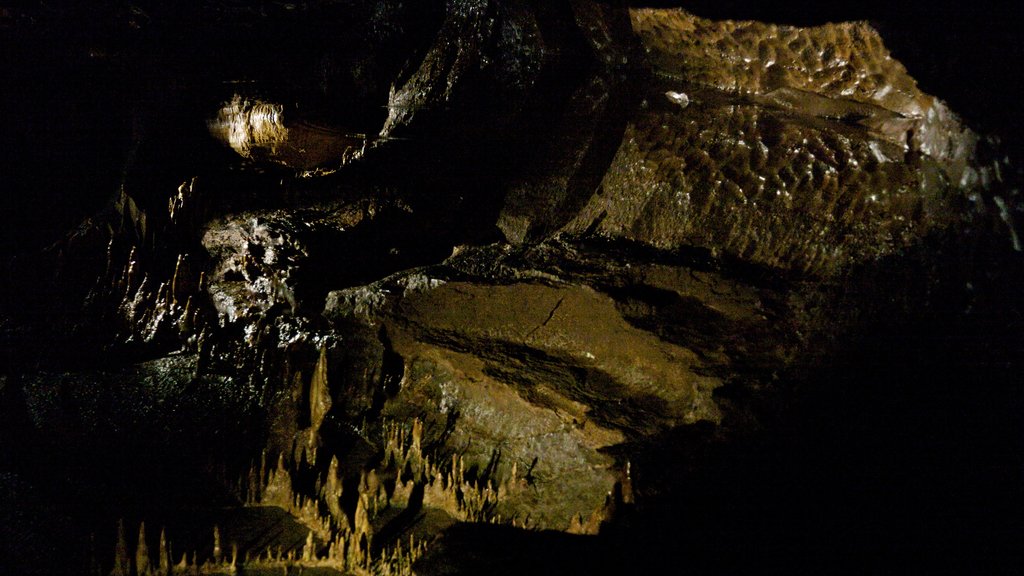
<point>483,549</point>
<point>901,452</point>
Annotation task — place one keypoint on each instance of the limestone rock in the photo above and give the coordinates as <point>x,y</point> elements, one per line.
<point>620,273</point>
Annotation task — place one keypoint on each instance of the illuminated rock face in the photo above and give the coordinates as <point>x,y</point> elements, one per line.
<point>574,259</point>
<point>263,131</point>
<point>805,149</point>
<point>547,370</point>
<point>764,186</point>
<point>845,60</point>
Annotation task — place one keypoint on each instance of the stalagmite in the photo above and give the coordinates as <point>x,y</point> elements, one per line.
<point>217,553</point>
<point>176,280</point>
<point>165,554</point>
<point>402,493</point>
<point>122,565</point>
<point>332,492</point>
<point>414,455</point>
<point>109,270</point>
<point>128,277</point>
<point>348,545</point>
<point>185,321</point>
<point>142,552</point>
<point>308,550</point>
<point>278,489</point>
<point>362,536</point>
<point>183,564</point>
<point>627,484</point>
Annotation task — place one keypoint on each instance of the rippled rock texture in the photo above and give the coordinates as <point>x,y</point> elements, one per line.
<point>805,149</point>
<point>516,287</point>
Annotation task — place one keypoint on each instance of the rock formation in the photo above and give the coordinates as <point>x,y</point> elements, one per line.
<point>606,286</point>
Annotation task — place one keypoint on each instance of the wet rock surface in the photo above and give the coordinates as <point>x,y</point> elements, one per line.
<point>495,286</point>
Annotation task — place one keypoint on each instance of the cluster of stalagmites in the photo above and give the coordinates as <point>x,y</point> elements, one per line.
<point>143,564</point>
<point>338,556</point>
<point>338,539</point>
<point>446,486</point>
<point>342,541</point>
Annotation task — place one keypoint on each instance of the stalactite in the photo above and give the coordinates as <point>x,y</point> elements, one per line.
<point>319,399</point>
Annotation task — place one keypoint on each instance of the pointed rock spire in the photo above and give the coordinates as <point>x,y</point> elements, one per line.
<point>319,397</point>
<point>142,552</point>
<point>217,552</point>
<point>122,565</point>
<point>165,554</point>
